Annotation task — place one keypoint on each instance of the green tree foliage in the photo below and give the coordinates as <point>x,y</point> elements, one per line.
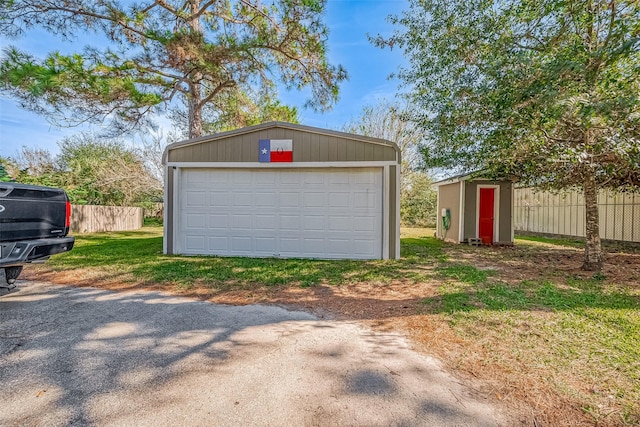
<point>542,91</point>
<point>4,175</point>
<point>194,51</point>
<point>92,170</point>
<point>236,109</point>
<point>418,202</point>
<point>244,110</point>
<point>388,121</point>
<point>105,172</point>
<point>33,166</point>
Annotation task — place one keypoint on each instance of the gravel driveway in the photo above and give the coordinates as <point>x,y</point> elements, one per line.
<point>80,356</point>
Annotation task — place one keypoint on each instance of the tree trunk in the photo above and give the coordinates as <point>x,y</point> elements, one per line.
<point>195,90</point>
<point>195,111</point>
<point>593,248</point>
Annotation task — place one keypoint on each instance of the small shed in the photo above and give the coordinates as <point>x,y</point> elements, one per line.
<point>283,190</point>
<point>475,210</point>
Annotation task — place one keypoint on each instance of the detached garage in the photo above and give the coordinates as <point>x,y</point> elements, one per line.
<point>283,190</point>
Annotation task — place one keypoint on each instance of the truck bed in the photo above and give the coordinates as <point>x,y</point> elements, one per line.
<point>32,212</point>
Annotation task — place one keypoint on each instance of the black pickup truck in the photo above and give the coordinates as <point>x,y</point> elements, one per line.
<point>34,223</point>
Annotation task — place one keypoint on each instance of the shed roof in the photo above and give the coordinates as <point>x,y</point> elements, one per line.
<point>282,125</point>
<point>454,179</point>
<point>475,175</point>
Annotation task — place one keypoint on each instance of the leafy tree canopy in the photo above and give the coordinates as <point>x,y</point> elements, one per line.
<point>542,91</point>
<point>236,109</point>
<point>93,170</point>
<point>164,50</point>
<point>4,175</point>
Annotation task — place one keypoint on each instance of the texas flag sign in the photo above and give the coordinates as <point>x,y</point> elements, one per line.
<point>276,150</point>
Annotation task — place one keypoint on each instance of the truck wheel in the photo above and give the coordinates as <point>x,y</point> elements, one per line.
<point>12,273</point>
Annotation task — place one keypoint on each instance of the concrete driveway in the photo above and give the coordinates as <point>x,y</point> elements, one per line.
<point>78,356</point>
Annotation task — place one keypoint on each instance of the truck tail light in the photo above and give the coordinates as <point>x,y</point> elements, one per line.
<point>67,221</point>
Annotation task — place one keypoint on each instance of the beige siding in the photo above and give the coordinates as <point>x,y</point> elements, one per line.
<point>449,198</point>
<point>93,219</point>
<point>563,214</point>
<point>307,147</point>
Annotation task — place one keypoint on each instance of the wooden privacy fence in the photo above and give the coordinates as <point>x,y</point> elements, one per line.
<point>91,219</point>
<point>563,213</point>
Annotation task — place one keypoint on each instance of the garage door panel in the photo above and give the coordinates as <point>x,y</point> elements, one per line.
<point>338,200</point>
<point>218,221</point>
<point>266,245</point>
<point>219,244</point>
<point>363,248</point>
<point>289,246</point>
<point>339,223</point>
<point>313,246</point>
<point>198,179</point>
<point>290,222</point>
<point>221,178</point>
<point>195,244</point>
<point>366,224</point>
<point>313,178</point>
<point>241,177</point>
<point>313,213</point>
<point>314,223</point>
<point>314,199</point>
<point>264,178</point>
<point>195,198</point>
<point>241,244</point>
<point>290,200</point>
<point>196,220</point>
<point>368,177</point>
<point>242,199</point>
<point>266,222</point>
<point>218,198</point>
<point>266,199</point>
<point>339,177</point>
<point>291,177</point>
<point>364,200</point>
<point>242,222</point>
<point>338,246</point>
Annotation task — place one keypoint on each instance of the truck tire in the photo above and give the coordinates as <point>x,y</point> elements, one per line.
<point>12,273</point>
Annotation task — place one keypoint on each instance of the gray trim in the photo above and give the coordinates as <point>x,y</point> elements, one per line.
<point>168,212</point>
<point>385,212</point>
<point>393,239</point>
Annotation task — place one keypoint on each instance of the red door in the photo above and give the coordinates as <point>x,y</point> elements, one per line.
<point>485,220</point>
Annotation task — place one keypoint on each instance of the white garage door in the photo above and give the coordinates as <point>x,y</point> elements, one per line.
<point>307,213</point>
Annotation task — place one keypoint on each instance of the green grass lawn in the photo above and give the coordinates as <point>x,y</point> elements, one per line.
<point>138,255</point>
<point>580,336</point>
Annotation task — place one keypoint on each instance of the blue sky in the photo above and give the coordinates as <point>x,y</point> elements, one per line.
<point>349,22</point>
